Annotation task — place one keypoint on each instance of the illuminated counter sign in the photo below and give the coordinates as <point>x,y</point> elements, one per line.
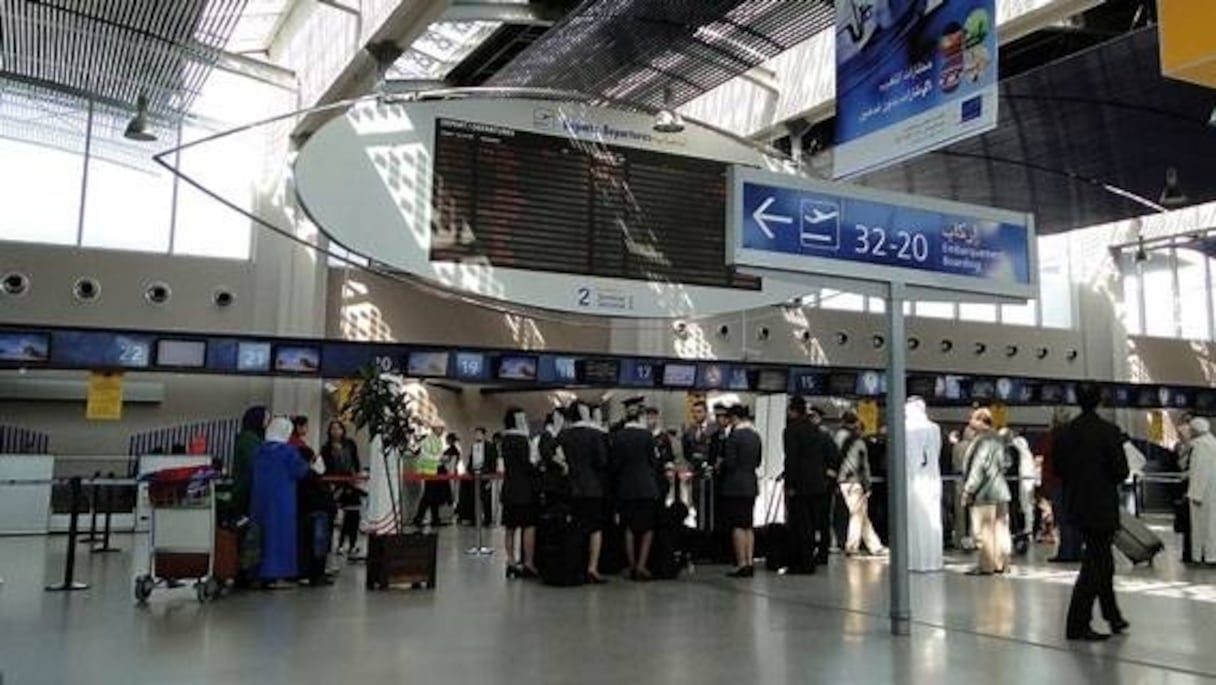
<point>793,224</point>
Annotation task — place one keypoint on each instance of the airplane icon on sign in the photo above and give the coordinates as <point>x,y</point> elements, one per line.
<point>820,225</point>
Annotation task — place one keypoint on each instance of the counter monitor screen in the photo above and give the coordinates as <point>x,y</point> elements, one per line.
<point>517,368</point>
<point>601,371</point>
<point>680,375</point>
<point>565,370</point>
<point>983,389</point>
<point>470,366</point>
<point>427,364</point>
<point>713,376</point>
<point>253,357</point>
<point>770,380</point>
<point>297,359</point>
<point>842,384</point>
<point>25,348</point>
<point>182,354</point>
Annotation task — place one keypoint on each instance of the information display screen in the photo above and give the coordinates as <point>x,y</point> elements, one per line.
<point>185,354</point>
<point>679,375</point>
<point>427,364</point>
<point>871,383</point>
<point>551,203</point>
<point>518,368</point>
<point>25,348</point>
<point>808,382</point>
<point>297,359</point>
<point>772,380</point>
<point>713,376</point>
<point>565,369</point>
<point>842,384</point>
<point>983,389</point>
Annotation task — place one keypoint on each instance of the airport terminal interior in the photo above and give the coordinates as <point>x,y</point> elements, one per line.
<point>607,341</point>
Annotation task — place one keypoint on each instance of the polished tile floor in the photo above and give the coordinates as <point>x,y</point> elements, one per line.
<point>478,628</point>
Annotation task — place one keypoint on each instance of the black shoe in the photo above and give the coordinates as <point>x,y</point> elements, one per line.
<point>741,572</point>
<point>596,579</point>
<point>1119,627</point>
<point>1089,635</point>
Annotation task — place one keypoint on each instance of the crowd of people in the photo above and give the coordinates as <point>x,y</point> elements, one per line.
<point>629,479</point>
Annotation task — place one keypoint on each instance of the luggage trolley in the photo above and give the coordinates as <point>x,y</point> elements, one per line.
<point>181,544</point>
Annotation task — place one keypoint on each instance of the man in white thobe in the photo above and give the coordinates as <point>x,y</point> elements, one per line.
<point>1202,492</point>
<point>923,440</point>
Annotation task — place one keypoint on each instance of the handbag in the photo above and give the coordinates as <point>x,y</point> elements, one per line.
<point>1182,515</point>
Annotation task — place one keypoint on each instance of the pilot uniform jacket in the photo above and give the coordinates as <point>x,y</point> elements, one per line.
<point>809,452</point>
<point>519,484</point>
<point>741,457</point>
<point>1089,459</point>
<point>587,456</point>
<point>635,461</point>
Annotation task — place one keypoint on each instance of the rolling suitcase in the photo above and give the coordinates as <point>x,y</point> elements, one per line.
<point>1135,540</point>
<point>668,553</point>
<point>561,550</point>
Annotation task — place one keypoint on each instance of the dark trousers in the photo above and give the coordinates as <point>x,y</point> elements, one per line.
<point>1070,535</point>
<point>487,503</point>
<point>1096,581</point>
<point>349,535</point>
<point>433,507</point>
<point>802,533</point>
<point>821,524</point>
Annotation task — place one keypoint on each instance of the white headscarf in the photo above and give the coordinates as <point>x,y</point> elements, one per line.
<point>279,429</point>
<point>1200,425</point>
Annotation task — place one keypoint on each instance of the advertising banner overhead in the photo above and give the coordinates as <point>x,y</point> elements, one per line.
<point>795,224</point>
<point>911,76</point>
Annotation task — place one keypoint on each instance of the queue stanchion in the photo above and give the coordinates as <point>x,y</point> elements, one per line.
<point>69,565</point>
<point>94,494</point>
<point>480,550</point>
<point>105,536</point>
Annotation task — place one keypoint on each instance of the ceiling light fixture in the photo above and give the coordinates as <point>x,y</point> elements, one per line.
<point>137,127</point>
<point>1141,255</point>
<point>1172,195</point>
<point>668,120</point>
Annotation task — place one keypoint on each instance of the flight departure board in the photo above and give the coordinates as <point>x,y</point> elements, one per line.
<point>552,203</point>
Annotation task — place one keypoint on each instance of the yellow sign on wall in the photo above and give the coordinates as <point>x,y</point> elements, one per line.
<point>1188,41</point>
<point>1156,427</point>
<point>1000,415</point>
<point>104,402</point>
<point>867,414</point>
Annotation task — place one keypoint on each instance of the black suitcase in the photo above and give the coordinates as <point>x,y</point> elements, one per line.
<point>669,553</point>
<point>401,560</point>
<point>561,550</point>
<point>1135,540</point>
<point>612,551</point>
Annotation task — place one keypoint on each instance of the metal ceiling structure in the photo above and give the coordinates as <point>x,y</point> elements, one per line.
<point>115,50</point>
<point>1073,135</point>
<point>635,50</point>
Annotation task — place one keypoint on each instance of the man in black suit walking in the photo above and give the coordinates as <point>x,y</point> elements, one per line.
<point>1089,459</point>
<point>809,451</point>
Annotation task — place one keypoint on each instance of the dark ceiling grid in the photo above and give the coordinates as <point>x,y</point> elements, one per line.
<point>118,49</point>
<point>1105,115</point>
<point>635,50</point>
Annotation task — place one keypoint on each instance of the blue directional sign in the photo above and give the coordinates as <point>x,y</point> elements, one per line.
<point>790,223</point>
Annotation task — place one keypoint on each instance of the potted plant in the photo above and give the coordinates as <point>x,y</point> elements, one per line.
<point>379,405</point>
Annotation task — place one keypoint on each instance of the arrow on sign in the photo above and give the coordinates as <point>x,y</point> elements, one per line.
<point>762,219</point>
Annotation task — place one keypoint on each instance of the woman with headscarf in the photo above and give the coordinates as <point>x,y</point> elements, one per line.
<point>253,430</point>
<point>277,467</point>
<point>1202,492</point>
